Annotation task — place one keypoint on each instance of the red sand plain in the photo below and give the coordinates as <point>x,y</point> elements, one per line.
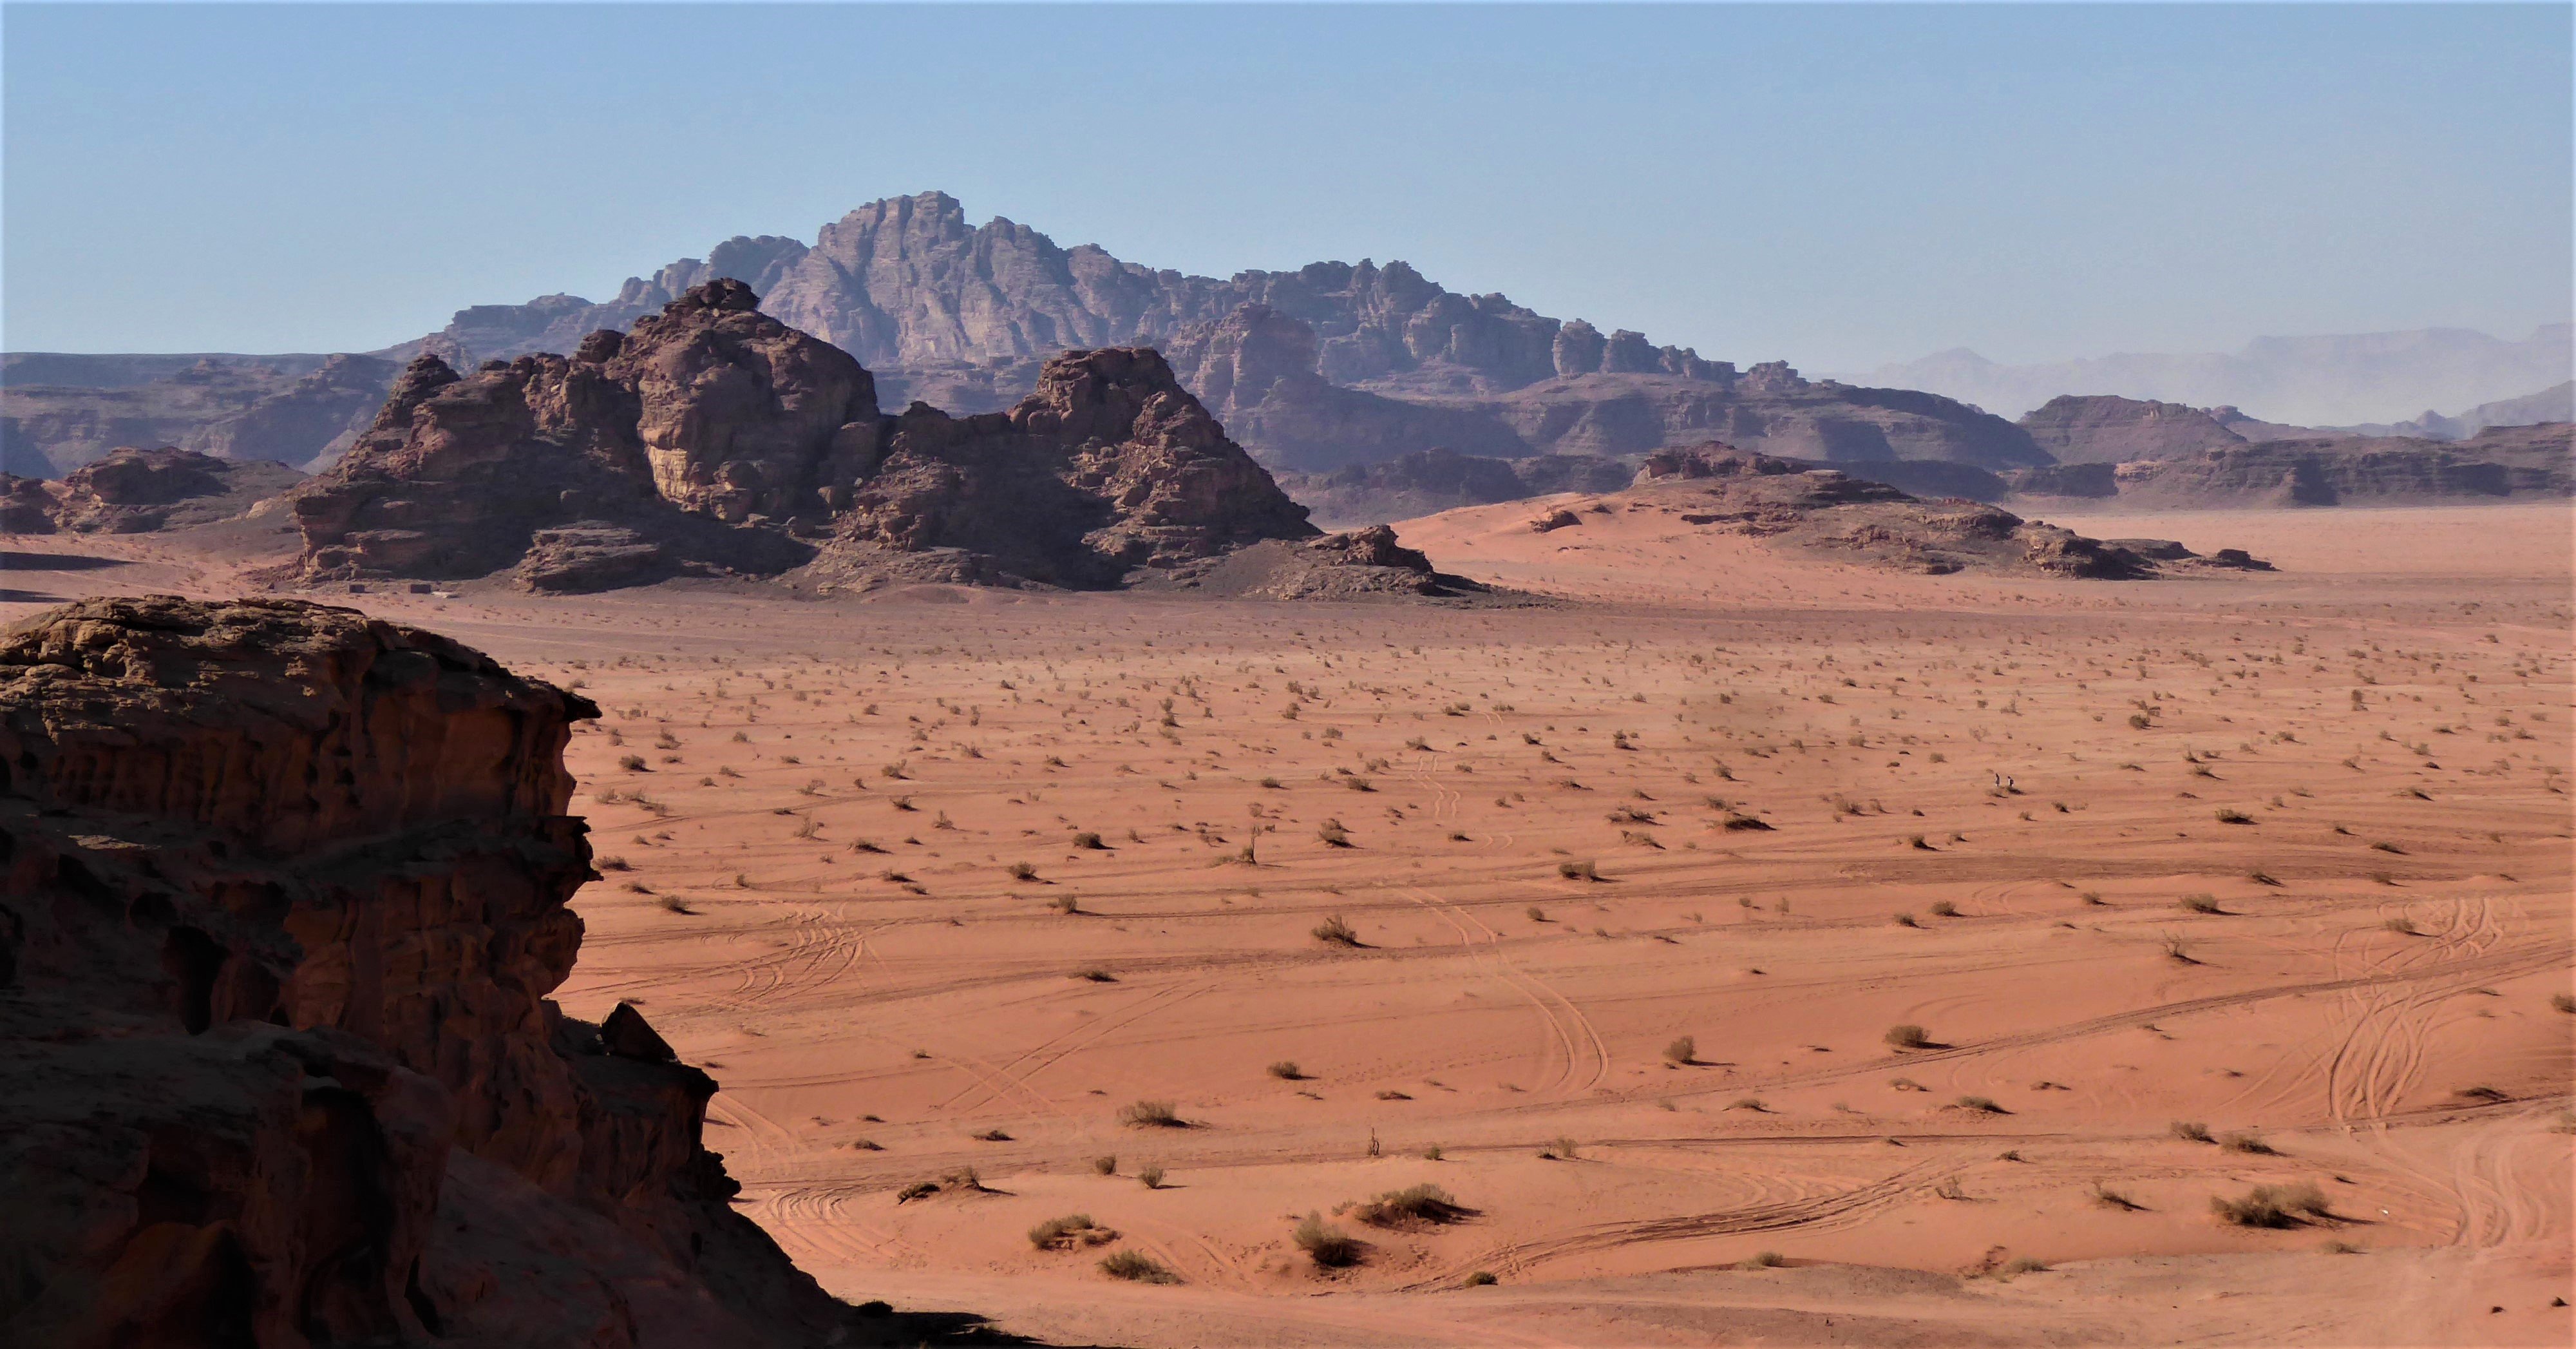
<point>2283,856</point>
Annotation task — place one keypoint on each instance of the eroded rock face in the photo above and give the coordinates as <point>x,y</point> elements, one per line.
<point>1108,468</point>
<point>741,415</point>
<point>285,898</point>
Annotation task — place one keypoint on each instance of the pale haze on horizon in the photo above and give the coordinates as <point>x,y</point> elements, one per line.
<point>1838,186</point>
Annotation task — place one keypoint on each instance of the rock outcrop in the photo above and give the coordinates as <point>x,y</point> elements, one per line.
<point>135,491</point>
<point>2104,429</point>
<point>1107,469</point>
<point>1429,481</point>
<point>285,899</point>
<point>2498,463</point>
<point>713,439</point>
<point>1825,512</point>
<point>708,422</point>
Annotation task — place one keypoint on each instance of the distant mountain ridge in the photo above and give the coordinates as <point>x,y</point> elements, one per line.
<point>1331,364</point>
<point>2313,381</point>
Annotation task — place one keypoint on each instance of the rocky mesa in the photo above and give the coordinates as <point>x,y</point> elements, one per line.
<point>286,897</point>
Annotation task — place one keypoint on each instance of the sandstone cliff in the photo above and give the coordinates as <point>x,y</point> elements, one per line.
<point>285,896</point>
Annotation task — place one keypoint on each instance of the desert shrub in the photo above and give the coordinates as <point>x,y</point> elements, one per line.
<point>2563,1002</point>
<point>2108,1197</point>
<point>1334,835</point>
<point>1739,823</point>
<point>2191,1131</point>
<point>1096,975</point>
<point>632,763</point>
<point>1762,1260</point>
<point>1022,871</point>
<point>919,1189</point>
<point>1286,1070</point>
<point>1151,1115</point>
<point>2230,815</point>
<point>1539,915</point>
<point>1412,1204</point>
<point>1136,1267</point>
<point>1906,920</point>
<point>2201,904</point>
<point>1563,1148</point>
<point>1334,931</point>
<point>1328,1246</point>
<point>2246,1143</point>
<point>1483,1278</point>
<point>1683,1049</point>
<point>1105,1165</point>
<point>1578,871</point>
<point>1984,1105</point>
<point>1907,1037</point>
<point>1942,908</point>
<point>1089,840</point>
<point>2271,1206</point>
<point>2022,1264</point>
<point>1151,1177</point>
<point>1062,1234</point>
<point>1066,904</point>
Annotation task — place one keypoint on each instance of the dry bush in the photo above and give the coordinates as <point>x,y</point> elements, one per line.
<point>1151,1177</point>
<point>1762,1260</point>
<point>1151,1115</point>
<point>1578,871</point>
<point>1414,1204</point>
<point>2107,1197</point>
<point>1105,1165</point>
<point>2271,1206</point>
<point>1334,835</point>
<point>1066,1233</point>
<point>1136,1267</point>
<point>1682,1050</point>
<point>2201,904</point>
<point>1328,1246</point>
<point>1333,931</point>
<point>1908,1037</point>
<point>1286,1070</point>
<point>2191,1131</point>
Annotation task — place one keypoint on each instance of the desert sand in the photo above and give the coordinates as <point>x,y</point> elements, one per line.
<point>1625,894</point>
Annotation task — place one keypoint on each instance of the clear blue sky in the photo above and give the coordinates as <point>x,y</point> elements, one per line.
<point>1835,185</point>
